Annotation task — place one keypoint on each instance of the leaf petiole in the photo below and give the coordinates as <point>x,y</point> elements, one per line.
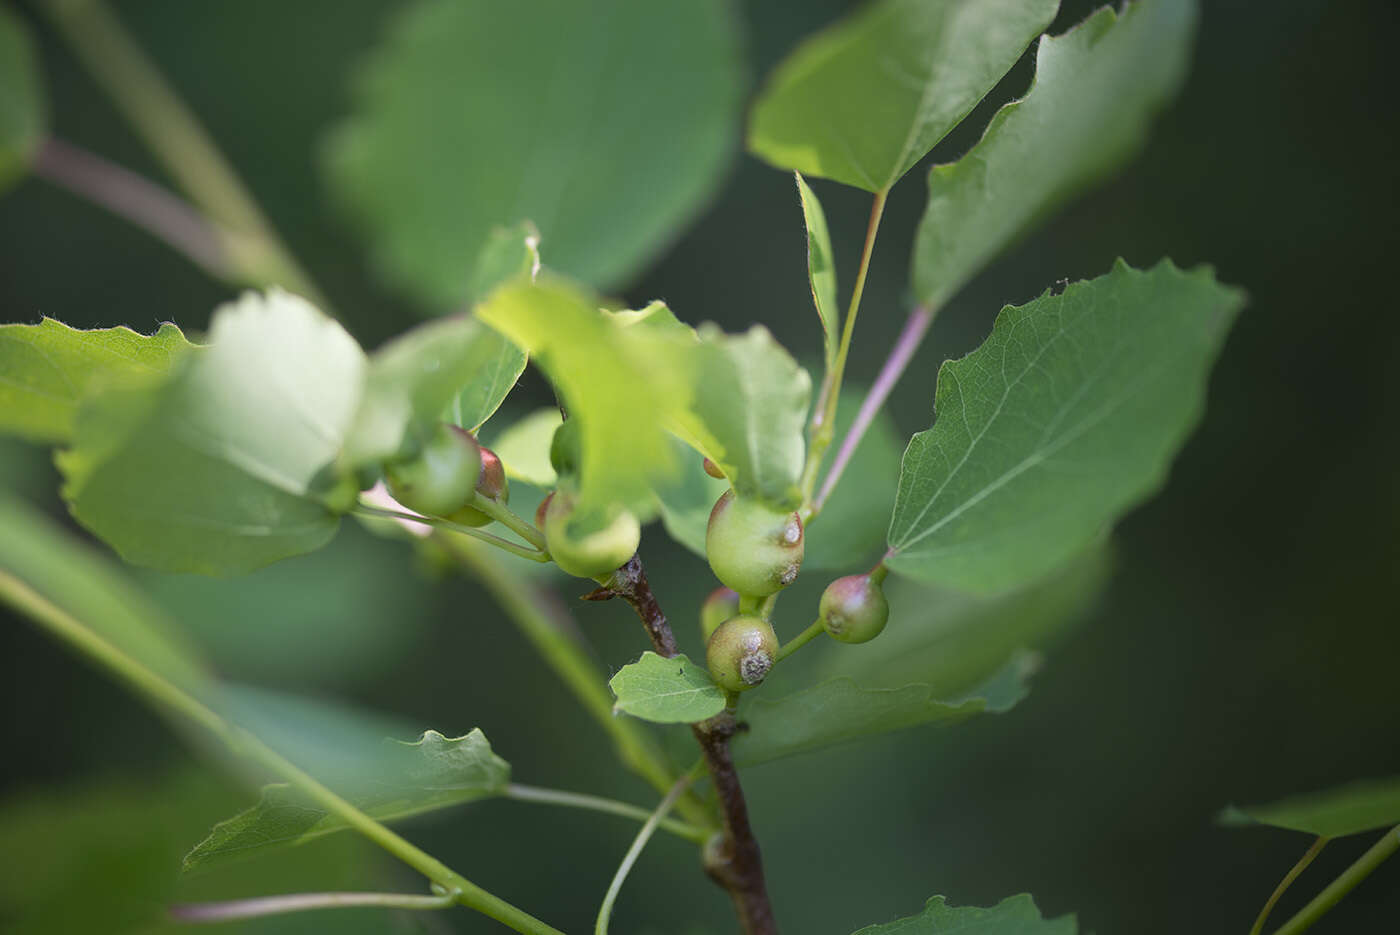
<point>596,803</point>
<point>600,927</point>
<point>505,545</point>
<point>261,906</point>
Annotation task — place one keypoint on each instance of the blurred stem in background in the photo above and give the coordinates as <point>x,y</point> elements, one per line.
<point>1345,883</point>
<point>253,253</point>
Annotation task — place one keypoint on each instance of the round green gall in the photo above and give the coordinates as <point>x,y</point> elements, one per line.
<point>492,485</point>
<point>741,652</point>
<point>564,448</point>
<point>591,554</point>
<point>718,607</point>
<point>753,548</point>
<point>853,609</point>
<point>440,479</point>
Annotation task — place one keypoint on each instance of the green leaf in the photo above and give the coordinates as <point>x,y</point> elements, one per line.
<point>433,773</point>
<point>107,610</point>
<point>953,641</point>
<point>619,382</point>
<point>747,411</point>
<point>687,499</point>
<point>455,368</point>
<point>821,269</point>
<point>49,368</point>
<point>1015,915</point>
<point>1065,417</point>
<point>609,129</point>
<point>864,100</point>
<point>842,710</point>
<point>219,469</point>
<point>667,691</point>
<point>22,105</point>
<point>1096,90</point>
<point>850,530</point>
<point>1349,809</point>
<point>524,447</point>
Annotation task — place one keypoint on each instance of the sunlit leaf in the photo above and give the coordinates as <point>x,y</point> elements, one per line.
<point>433,773</point>
<point>49,368</point>
<point>1349,809</point>
<point>842,710</point>
<point>821,269</point>
<point>1096,89</point>
<point>617,381</point>
<point>864,100</point>
<point>608,124</point>
<point>666,690</point>
<point>1015,915</point>
<point>22,105</point>
<point>218,469</point>
<point>1065,417</point>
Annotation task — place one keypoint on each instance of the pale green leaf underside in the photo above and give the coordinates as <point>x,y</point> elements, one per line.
<point>46,370</point>
<point>1015,915</point>
<point>607,124</point>
<point>523,447</point>
<point>617,381</point>
<point>821,269</point>
<point>666,690</point>
<point>686,499</point>
<point>214,470</point>
<point>1065,417</point>
<point>747,411</point>
<point>22,105</point>
<point>864,100</point>
<point>433,773</point>
<point>1349,809</point>
<point>843,710</point>
<point>1096,89</point>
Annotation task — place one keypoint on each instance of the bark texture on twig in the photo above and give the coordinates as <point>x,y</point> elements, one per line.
<point>734,862</point>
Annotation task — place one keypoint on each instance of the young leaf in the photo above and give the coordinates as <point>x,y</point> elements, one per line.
<point>747,410</point>
<point>433,773</point>
<point>50,368</point>
<point>1065,417</point>
<point>524,447</point>
<point>609,129</point>
<point>842,710</point>
<point>821,269</point>
<point>617,381</point>
<point>1015,915</point>
<point>851,527</point>
<point>452,368</point>
<point>1349,809</point>
<point>952,641</point>
<point>1096,89</point>
<point>22,105</point>
<point>667,691</point>
<point>218,470</point>
<point>866,99</point>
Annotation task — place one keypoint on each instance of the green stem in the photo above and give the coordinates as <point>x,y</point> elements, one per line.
<point>1286,882</point>
<point>28,601</point>
<point>823,428</point>
<point>548,626</point>
<point>1344,884</point>
<point>505,545</point>
<point>262,906</point>
<point>600,927</point>
<point>609,806</point>
<point>509,519</point>
<point>800,640</point>
<point>178,140</point>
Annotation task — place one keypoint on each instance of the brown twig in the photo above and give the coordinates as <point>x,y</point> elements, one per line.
<point>734,862</point>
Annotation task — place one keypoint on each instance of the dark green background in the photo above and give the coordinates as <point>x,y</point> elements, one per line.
<point>1247,647</point>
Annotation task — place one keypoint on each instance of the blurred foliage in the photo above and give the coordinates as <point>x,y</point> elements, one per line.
<point>1243,652</point>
